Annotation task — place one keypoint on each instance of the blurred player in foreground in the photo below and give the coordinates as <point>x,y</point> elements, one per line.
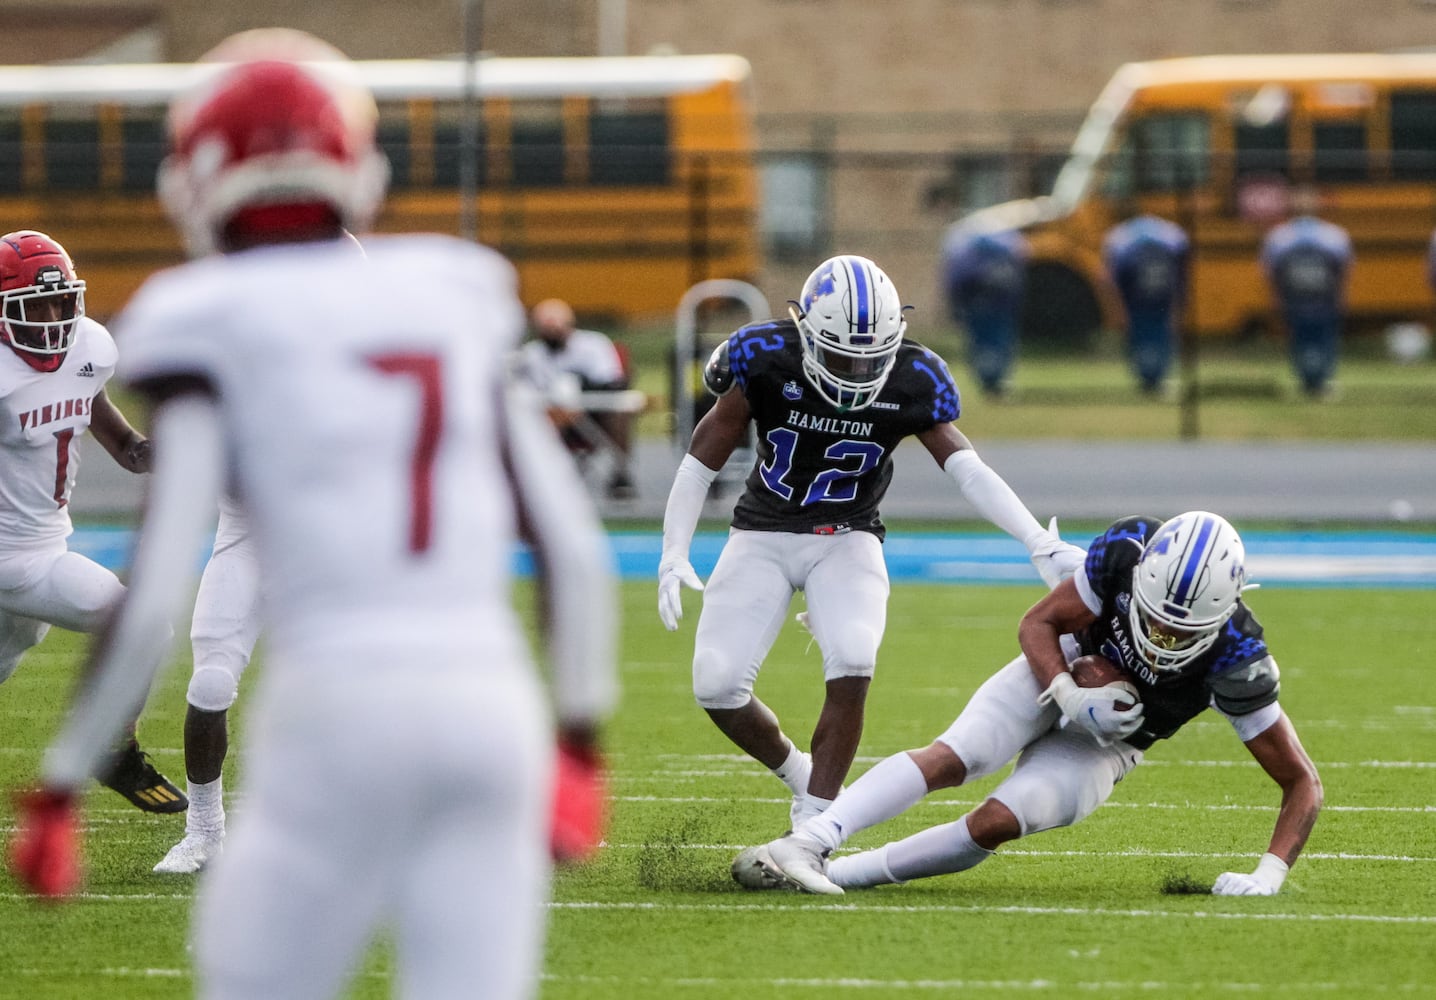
<point>1161,602</point>
<point>223,632</point>
<point>401,767</point>
<point>52,389</point>
<point>832,391</point>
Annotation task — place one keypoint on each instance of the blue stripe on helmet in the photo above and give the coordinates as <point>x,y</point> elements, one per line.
<point>862,285</point>
<point>1196,559</point>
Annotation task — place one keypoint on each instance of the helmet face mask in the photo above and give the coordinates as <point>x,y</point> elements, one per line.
<point>41,300</point>
<point>1185,588</point>
<point>850,323</point>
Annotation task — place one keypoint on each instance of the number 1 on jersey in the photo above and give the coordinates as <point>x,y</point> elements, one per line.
<point>423,369</point>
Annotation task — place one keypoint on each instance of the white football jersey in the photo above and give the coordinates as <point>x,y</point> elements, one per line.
<point>359,399</point>
<point>42,418</point>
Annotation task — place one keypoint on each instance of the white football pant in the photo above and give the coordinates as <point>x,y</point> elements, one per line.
<point>412,795</point>
<point>746,603</point>
<point>53,586</point>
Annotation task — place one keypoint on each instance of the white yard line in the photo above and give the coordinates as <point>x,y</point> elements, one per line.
<point>1109,987</point>
<point>812,905</point>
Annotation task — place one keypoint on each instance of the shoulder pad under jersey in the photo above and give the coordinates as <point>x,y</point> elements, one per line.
<point>718,373</point>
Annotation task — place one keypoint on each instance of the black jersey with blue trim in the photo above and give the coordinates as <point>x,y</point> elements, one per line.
<point>820,468</point>
<point>1237,673</point>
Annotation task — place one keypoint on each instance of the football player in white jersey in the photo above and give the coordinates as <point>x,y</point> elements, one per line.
<point>223,633</point>
<point>52,389</point>
<point>401,766</point>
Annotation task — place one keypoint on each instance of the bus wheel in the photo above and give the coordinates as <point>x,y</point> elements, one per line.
<point>1059,309</point>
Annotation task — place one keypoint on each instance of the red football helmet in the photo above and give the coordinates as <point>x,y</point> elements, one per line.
<point>281,135</point>
<point>41,300</point>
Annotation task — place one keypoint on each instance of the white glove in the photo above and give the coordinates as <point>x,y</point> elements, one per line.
<point>674,573</point>
<point>1094,709</point>
<point>1055,559</point>
<point>1265,881</point>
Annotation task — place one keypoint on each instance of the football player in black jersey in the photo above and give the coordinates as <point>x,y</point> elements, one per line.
<point>831,390</point>
<point>1161,601</point>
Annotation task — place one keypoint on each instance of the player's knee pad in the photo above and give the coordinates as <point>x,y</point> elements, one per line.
<point>1041,806</point>
<point>719,680</point>
<point>852,651</point>
<point>1052,789</point>
<point>212,688</point>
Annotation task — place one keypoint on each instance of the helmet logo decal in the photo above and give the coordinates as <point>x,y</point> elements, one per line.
<point>822,283</point>
<point>1194,566</point>
<point>862,295</point>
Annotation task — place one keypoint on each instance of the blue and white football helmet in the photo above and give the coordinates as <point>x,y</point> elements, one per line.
<point>850,321</point>
<point>1185,588</point>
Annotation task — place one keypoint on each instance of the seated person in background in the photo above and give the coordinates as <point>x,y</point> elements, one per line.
<point>564,361</point>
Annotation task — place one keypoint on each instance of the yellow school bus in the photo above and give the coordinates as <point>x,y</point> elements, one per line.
<point>614,183</point>
<point>1224,146</point>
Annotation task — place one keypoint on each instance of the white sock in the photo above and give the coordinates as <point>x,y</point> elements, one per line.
<point>206,808</point>
<point>794,771</point>
<point>856,871</point>
<point>809,808</point>
<point>893,786</point>
<point>938,850</point>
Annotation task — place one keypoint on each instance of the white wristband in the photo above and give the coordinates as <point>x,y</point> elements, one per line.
<point>685,505</point>
<point>1271,870</point>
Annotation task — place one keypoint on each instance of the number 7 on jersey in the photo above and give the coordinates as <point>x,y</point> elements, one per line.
<point>424,370</point>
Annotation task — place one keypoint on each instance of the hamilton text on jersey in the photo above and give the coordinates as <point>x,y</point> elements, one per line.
<point>831,425</point>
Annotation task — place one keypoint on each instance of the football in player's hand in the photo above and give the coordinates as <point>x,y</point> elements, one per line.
<point>1094,671</point>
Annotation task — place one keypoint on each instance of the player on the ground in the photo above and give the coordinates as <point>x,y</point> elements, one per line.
<point>1161,602</point>
<point>52,390</point>
<point>400,766</point>
<point>832,391</point>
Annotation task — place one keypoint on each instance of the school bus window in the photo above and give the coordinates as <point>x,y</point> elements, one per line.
<point>9,152</point>
<point>449,145</point>
<point>538,156</point>
<point>393,136</point>
<point>1413,135</point>
<point>1263,148</point>
<point>1340,153</point>
<point>143,140</point>
<point>72,149</point>
<point>628,146</point>
<point>1161,153</point>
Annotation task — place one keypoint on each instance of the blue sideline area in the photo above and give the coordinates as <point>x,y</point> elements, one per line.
<point>1304,559</point>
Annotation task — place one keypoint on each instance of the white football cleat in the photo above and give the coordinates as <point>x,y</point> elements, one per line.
<point>190,855</point>
<point>804,864</point>
<point>754,869</point>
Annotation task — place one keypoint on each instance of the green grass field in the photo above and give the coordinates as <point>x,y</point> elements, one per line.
<point>1078,911</point>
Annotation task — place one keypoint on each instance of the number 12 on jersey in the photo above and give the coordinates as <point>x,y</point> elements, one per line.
<point>831,485</point>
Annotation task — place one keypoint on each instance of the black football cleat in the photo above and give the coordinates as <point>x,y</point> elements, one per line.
<point>132,775</point>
